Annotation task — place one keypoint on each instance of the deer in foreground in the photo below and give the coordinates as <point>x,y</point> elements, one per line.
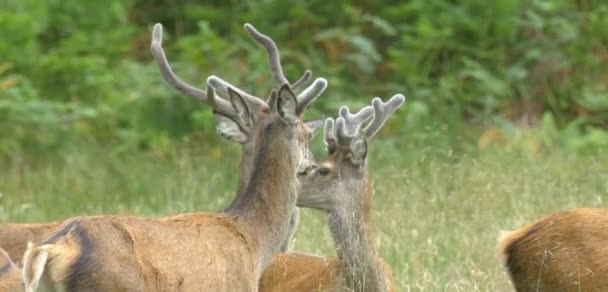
<point>341,186</point>
<point>188,252</point>
<point>566,251</point>
<point>10,274</point>
<point>14,237</point>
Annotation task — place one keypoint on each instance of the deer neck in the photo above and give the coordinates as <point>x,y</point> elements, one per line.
<point>350,227</point>
<point>269,198</point>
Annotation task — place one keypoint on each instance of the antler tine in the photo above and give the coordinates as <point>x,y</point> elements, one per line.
<point>222,87</point>
<point>274,57</point>
<point>165,68</point>
<point>354,121</point>
<point>310,94</point>
<point>344,138</point>
<point>381,113</point>
<point>330,136</point>
<point>300,82</point>
<point>218,104</point>
<point>176,82</point>
<point>394,103</point>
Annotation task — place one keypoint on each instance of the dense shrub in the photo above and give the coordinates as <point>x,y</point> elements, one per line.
<point>72,69</point>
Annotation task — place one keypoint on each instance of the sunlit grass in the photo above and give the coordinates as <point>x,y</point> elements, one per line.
<point>436,214</point>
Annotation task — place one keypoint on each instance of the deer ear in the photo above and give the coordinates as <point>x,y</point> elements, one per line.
<point>287,105</point>
<point>358,150</point>
<point>240,108</point>
<point>314,125</point>
<point>229,128</point>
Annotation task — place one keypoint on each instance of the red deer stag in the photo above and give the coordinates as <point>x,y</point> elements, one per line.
<point>340,185</point>
<point>567,251</point>
<point>188,252</point>
<point>14,237</point>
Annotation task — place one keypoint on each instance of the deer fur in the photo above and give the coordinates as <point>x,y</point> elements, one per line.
<point>10,274</point>
<point>188,252</point>
<point>566,251</point>
<point>341,186</point>
<point>14,237</point>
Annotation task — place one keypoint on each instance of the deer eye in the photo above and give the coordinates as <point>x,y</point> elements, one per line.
<point>323,171</point>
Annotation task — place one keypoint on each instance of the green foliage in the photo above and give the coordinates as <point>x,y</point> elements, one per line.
<point>575,136</point>
<point>82,70</point>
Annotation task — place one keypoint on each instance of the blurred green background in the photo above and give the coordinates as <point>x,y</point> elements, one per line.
<point>506,118</point>
<point>74,70</point>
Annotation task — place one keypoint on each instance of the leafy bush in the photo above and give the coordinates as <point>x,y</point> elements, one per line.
<point>74,69</point>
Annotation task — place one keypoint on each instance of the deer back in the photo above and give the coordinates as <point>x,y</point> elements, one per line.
<point>566,251</point>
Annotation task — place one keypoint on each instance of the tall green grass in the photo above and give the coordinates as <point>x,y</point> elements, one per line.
<point>436,213</point>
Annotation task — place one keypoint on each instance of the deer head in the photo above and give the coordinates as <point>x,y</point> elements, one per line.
<point>325,185</point>
<point>256,108</point>
<point>284,104</point>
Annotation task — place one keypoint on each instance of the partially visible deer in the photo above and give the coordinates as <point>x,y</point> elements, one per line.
<point>189,252</point>
<point>14,237</point>
<point>10,274</point>
<point>341,186</point>
<point>566,251</point>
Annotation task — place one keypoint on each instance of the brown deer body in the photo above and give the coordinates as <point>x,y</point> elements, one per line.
<point>190,252</point>
<point>566,251</point>
<point>14,237</point>
<point>341,186</point>
<point>10,274</point>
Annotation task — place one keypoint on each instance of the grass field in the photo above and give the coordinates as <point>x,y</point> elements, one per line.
<point>436,213</point>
